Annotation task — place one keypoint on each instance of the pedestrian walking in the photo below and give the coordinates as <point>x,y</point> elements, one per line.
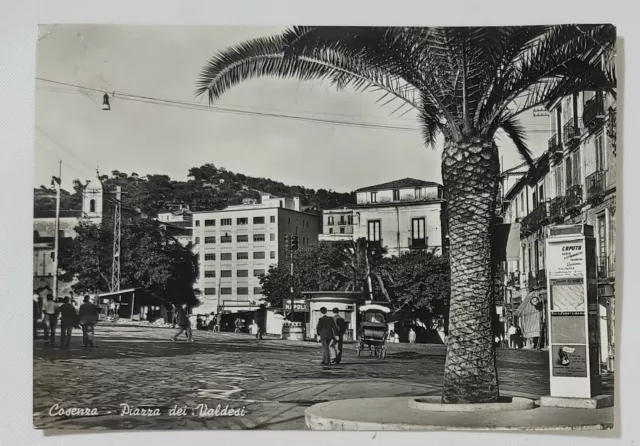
<point>37,314</point>
<point>327,332</point>
<point>512,336</point>
<point>412,336</point>
<point>182,319</point>
<point>68,320</point>
<point>261,320</point>
<point>519,337</point>
<point>88,316</point>
<point>341,326</point>
<point>50,321</point>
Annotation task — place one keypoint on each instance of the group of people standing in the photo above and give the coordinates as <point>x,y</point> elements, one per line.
<point>51,311</point>
<point>331,332</point>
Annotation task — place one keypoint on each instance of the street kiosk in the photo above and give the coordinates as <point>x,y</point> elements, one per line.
<point>574,323</point>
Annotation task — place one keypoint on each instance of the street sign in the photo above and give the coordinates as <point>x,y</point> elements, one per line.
<point>574,328</point>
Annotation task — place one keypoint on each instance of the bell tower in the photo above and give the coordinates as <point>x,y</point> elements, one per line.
<point>92,200</point>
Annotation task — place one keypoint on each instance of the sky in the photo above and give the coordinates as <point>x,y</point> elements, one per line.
<point>164,62</point>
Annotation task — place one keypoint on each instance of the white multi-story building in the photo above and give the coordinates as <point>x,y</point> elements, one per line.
<point>237,244</point>
<point>402,215</point>
<point>337,224</point>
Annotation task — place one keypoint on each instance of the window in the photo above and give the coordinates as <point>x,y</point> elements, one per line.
<point>225,273</point>
<point>257,290</point>
<point>272,237</point>
<point>258,238</point>
<point>225,239</point>
<point>373,231</point>
<point>209,256</point>
<point>92,206</point>
<point>258,220</point>
<point>396,195</point>
<point>342,220</point>
<point>243,291</point>
<point>225,256</point>
<point>258,272</point>
<point>225,291</point>
<point>350,219</point>
<point>541,194</point>
<point>197,223</point>
<point>330,221</point>
<point>417,231</point>
<point>559,182</point>
<point>272,219</point>
<point>577,168</point>
<point>209,291</point>
<point>341,230</point>
<point>418,193</point>
<point>225,222</point>
<point>243,256</point>
<point>330,230</point>
<point>209,240</point>
<point>209,222</point>
<point>242,221</point>
<point>517,207</point>
<point>258,255</point>
<point>289,222</point>
<point>209,274</point>
<point>569,173</point>
<point>272,254</point>
<point>374,197</point>
<point>242,273</point>
<point>242,238</point>
<point>600,155</point>
<point>197,240</point>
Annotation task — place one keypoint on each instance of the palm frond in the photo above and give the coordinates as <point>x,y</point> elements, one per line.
<point>517,133</point>
<point>268,57</point>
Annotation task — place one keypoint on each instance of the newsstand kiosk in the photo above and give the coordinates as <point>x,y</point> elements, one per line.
<point>574,323</point>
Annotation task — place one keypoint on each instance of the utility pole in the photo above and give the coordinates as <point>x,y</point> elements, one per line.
<point>117,219</point>
<point>56,248</point>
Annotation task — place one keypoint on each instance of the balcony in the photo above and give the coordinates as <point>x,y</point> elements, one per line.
<point>535,220</point>
<point>572,132</point>
<point>417,243</point>
<point>554,145</point>
<point>593,112</point>
<point>596,185</point>
<point>513,280</point>
<point>573,197</point>
<point>557,208</point>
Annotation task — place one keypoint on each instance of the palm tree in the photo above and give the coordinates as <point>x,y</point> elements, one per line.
<point>465,83</point>
<point>363,261</point>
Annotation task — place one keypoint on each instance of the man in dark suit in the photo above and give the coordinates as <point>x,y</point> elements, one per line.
<point>327,332</point>
<point>341,325</point>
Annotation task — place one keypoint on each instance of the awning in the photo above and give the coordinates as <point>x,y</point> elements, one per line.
<point>526,307</point>
<point>513,242</point>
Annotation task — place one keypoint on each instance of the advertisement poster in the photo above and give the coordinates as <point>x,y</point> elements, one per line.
<point>565,260</point>
<point>569,361</point>
<point>567,295</point>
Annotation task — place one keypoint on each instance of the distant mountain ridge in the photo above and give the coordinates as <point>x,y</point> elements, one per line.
<point>208,188</point>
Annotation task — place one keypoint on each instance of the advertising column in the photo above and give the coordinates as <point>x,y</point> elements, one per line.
<point>574,331</point>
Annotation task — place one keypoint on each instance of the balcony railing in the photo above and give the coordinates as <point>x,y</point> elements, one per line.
<point>574,197</point>
<point>418,243</point>
<point>593,112</point>
<point>572,132</point>
<point>537,280</point>
<point>514,280</point>
<point>596,184</point>
<point>557,207</point>
<point>536,218</point>
<point>554,144</point>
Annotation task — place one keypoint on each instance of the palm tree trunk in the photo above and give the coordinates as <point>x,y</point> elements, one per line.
<point>470,172</point>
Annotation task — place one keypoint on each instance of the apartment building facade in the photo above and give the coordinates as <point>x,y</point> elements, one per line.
<point>574,182</point>
<point>337,224</point>
<point>402,215</point>
<point>237,244</point>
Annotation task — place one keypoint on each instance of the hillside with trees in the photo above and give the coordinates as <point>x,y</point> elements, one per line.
<point>208,188</point>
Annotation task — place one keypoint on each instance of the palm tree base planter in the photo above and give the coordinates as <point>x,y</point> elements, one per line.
<point>427,414</point>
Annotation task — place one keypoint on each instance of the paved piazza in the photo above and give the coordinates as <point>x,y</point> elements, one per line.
<point>269,383</point>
